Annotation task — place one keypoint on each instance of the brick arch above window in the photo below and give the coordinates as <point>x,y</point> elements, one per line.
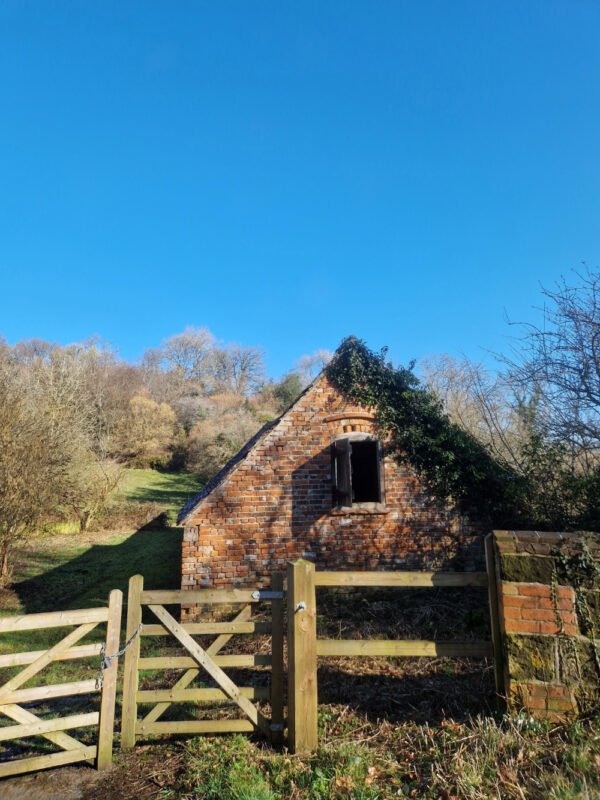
<point>351,421</point>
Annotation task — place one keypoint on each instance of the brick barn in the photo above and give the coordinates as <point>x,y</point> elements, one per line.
<point>316,483</point>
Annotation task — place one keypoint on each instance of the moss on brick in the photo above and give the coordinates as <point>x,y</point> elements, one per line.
<point>577,662</point>
<point>526,568</point>
<point>578,670</point>
<point>530,657</point>
<point>593,603</point>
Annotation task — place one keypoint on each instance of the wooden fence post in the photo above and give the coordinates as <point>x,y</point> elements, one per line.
<point>109,685</point>
<point>130,674</point>
<point>277,661</point>
<point>302,657</point>
<point>490,562</point>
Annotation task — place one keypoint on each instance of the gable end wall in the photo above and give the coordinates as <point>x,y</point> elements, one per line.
<point>276,505</point>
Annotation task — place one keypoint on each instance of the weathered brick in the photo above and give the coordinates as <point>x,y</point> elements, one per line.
<point>276,505</point>
<point>534,590</point>
<point>520,626</point>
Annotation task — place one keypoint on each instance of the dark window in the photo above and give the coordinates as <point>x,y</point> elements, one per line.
<point>356,471</point>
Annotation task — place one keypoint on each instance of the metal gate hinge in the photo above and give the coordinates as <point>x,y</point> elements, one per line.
<point>263,594</point>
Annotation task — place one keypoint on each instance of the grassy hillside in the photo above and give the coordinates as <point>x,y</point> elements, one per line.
<point>170,489</point>
<point>69,570</point>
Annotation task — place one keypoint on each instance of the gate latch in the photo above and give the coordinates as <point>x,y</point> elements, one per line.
<point>263,594</point>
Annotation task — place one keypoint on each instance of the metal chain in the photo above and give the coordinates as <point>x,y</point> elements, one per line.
<point>106,660</point>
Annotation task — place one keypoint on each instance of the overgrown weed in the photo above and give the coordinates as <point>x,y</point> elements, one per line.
<point>361,759</point>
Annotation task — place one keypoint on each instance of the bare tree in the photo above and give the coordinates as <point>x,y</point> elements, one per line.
<point>308,366</point>
<point>89,484</point>
<point>30,466</point>
<point>214,440</point>
<point>146,429</point>
<point>237,369</point>
<point>560,361</point>
<point>482,404</point>
<point>188,354</point>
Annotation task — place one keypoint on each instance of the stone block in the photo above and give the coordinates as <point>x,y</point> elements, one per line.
<point>530,657</point>
<point>526,568</point>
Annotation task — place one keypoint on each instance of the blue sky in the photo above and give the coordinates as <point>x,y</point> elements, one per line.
<point>287,173</point>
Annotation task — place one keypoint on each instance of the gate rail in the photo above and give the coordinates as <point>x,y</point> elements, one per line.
<point>199,659</point>
<point>12,694</point>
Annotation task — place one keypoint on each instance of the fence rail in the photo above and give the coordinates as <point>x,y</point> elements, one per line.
<point>304,647</point>
<point>390,579</point>
<point>12,693</point>
<point>303,650</point>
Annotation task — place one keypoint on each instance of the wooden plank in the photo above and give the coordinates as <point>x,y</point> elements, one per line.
<point>210,596</point>
<point>198,695</point>
<point>210,628</point>
<point>493,592</point>
<point>23,765</point>
<point>195,727</point>
<point>204,660</point>
<point>19,659</point>
<point>41,726</point>
<point>404,647</point>
<point>277,638</point>
<point>302,658</point>
<point>109,687</point>
<point>45,659</point>
<point>132,657</point>
<point>52,619</point>
<point>185,662</point>
<point>192,673</point>
<point>50,691</point>
<point>446,579</point>
<point>21,715</point>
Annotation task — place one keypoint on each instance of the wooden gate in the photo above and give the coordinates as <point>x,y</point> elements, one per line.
<point>12,695</point>
<point>200,661</point>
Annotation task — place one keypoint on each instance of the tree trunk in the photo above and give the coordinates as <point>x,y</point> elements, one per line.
<point>84,520</point>
<point>5,570</point>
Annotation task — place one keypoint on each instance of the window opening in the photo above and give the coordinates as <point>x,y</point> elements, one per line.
<point>364,472</point>
<point>356,468</point>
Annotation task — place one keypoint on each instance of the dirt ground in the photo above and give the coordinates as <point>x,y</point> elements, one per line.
<point>66,783</point>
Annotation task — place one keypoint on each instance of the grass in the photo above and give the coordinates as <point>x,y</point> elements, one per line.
<point>368,759</point>
<point>68,570</point>
<point>170,489</point>
<point>388,728</point>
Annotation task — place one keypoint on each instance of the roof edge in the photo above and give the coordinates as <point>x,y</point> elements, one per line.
<point>226,471</point>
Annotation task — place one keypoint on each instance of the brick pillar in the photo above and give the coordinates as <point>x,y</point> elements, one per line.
<point>550,665</point>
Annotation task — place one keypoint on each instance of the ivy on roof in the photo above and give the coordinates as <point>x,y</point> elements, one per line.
<point>453,464</point>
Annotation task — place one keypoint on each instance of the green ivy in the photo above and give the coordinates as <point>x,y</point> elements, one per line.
<point>581,570</point>
<point>455,466</point>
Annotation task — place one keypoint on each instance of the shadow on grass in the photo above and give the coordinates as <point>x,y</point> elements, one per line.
<point>420,692</point>
<point>86,580</point>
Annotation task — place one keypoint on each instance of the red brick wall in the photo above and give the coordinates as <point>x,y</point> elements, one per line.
<point>550,665</point>
<point>276,505</point>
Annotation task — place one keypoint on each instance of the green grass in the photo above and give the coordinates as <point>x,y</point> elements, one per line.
<point>170,489</point>
<point>368,759</point>
<point>67,570</point>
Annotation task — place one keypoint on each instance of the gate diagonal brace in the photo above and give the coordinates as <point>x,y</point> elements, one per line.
<point>188,676</point>
<point>204,660</point>
<point>19,714</point>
